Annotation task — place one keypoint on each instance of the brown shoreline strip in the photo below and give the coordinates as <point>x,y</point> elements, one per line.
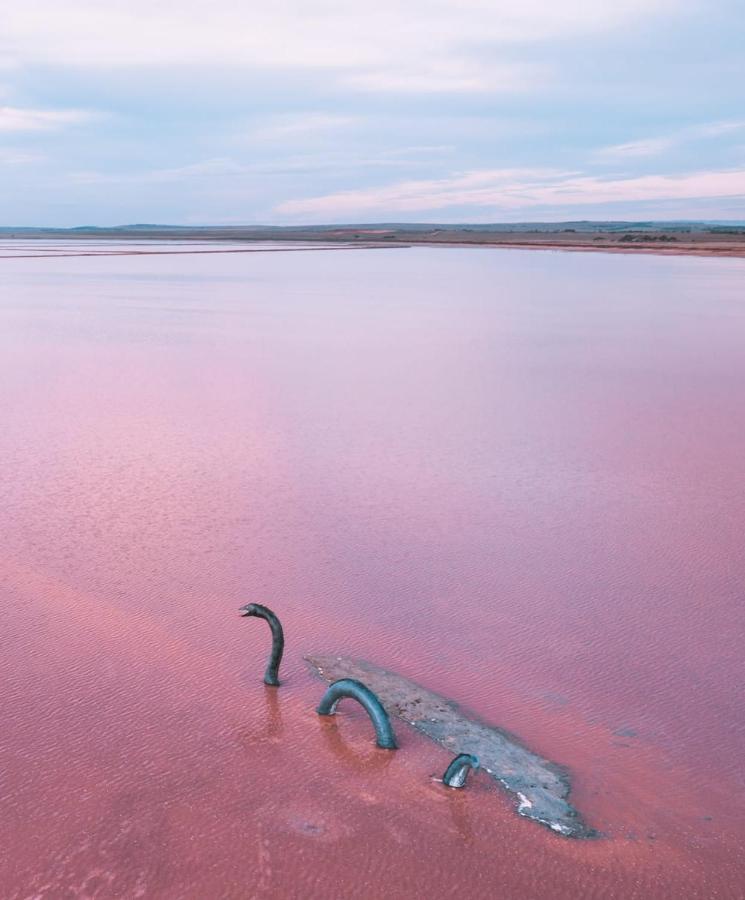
<point>732,251</point>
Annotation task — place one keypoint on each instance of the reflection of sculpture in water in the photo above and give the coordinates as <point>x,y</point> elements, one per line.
<point>271,676</point>
<point>348,687</point>
<point>274,723</point>
<point>350,755</point>
<point>457,772</point>
<point>270,730</point>
<point>459,807</point>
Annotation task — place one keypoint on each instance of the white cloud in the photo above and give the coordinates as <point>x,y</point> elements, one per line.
<point>19,158</point>
<point>454,76</point>
<point>471,188</point>
<point>516,189</point>
<point>233,170</point>
<point>656,146</point>
<point>644,147</point>
<point>281,128</point>
<point>13,118</point>
<point>210,168</point>
<point>387,45</point>
<point>418,150</point>
<point>716,129</point>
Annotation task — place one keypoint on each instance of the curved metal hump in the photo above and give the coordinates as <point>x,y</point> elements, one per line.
<point>457,772</point>
<point>348,687</point>
<point>271,676</point>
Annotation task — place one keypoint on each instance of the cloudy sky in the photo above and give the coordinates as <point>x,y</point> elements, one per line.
<point>302,111</point>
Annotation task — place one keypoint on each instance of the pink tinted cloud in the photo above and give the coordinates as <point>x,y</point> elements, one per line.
<point>511,189</point>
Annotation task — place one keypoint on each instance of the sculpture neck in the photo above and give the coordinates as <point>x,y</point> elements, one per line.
<point>271,676</point>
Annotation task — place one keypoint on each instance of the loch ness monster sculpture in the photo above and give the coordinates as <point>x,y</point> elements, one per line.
<point>541,787</point>
<point>356,690</point>
<point>271,676</point>
<point>457,772</point>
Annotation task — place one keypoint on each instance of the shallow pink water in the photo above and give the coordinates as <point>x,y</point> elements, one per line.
<point>517,477</point>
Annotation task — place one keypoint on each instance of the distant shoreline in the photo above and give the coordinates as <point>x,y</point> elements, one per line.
<point>648,238</point>
<point>732,251</point>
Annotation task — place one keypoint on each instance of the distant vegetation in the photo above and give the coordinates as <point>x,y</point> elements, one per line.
<point>645,238</point>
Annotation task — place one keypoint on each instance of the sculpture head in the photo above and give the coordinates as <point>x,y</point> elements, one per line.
<point>278,639</point>
<point>250,609</point>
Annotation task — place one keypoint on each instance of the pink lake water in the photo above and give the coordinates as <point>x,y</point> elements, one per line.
<point>516,477</point>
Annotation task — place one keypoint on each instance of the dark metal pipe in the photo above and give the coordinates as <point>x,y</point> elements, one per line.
<point>457,772</point>
<point>348,687</point>
<point>271,676</point>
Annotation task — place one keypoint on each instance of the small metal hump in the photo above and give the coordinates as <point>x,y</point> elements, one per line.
<point>457,772</point>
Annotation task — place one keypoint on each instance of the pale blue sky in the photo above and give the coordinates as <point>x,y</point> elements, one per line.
<point>231,111</point>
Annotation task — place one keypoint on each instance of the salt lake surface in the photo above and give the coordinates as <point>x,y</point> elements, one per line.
<point>516,477</point>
